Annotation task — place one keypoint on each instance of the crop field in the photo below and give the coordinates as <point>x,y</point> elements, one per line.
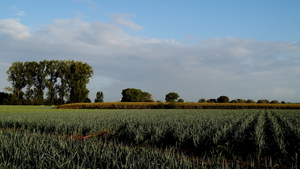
<point>178,105</point>
<point>45,137</point>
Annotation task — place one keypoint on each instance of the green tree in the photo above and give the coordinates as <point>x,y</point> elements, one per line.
<point>39,82</point>
<point>63,85</point>
<point>88,100</point>
<point>171,97</point>
<point>51,80</point>
<point>79,76</point>
<point>30,76</point>
<point>234,101</point>
<point>132,95</point>
<point>3,96</point>
<point>202,100</point>
<point>223,99</point>
<point>61,79</point>
<point>274,101</point>
<point>147,97</point>
<point>263,101</point>
<point>8,89</point>
<point>250,101</point>
<point>16,76</point>
<point>180,100</point>
<point>99,97</point>
<point>212,101</point>
<point>238,101</point>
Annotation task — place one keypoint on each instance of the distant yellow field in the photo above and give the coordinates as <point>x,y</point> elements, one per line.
<point>164,105</point>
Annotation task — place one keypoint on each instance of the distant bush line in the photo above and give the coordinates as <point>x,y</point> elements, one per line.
<point>177,105</point>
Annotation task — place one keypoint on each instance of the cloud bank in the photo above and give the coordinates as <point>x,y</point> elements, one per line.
<point>238,68</point>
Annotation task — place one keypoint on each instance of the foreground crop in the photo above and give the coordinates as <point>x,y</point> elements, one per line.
<point>55,138</point>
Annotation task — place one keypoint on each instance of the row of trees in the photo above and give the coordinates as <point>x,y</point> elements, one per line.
<point>137,95</point>
<point>225,99</point>
<point>60,81</point>
<point>65,82</point>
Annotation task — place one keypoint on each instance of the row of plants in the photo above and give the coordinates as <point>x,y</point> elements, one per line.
<point>35,150</point>
<point>170,138</point>
<point>177,105</point>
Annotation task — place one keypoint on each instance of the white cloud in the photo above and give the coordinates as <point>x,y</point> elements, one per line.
<point>123,19</point>
<point>19,13</point>
<point>239,68</point>
<point>13,28</point>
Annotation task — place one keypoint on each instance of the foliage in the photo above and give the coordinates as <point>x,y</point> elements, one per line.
<point>3,97</point>
<point>41,137</point>
<point>250,101</point>
<point>202,100</point>
<point>180,100</point>
<point>171,97</point>
<point>238,101</point>
<point>99,97</point>
<point>274,101</point>
<point>223,99</point>
<point>263,101</point>
<point>135,95</point>
<point>64,81</point>
<point>87,100</point>
<point>212,101</point>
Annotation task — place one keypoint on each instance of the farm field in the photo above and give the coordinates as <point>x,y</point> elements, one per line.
<point>44,137</point>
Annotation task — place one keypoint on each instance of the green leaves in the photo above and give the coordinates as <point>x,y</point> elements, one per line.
<point>171,97</point>
<point>63,80</point>
<point>135,95</point>
<point>99,97</point>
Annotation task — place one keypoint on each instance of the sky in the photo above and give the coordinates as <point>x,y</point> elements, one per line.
<point>198,48</point>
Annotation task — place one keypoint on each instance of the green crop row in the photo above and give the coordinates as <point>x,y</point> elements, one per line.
<point>62,138</point>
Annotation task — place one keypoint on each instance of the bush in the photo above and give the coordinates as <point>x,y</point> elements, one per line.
<point>223,99</point>
<point>180,100</point>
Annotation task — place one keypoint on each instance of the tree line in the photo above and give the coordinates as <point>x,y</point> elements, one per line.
<point>64,81</point>
<point>137,95</point>
<point>47,82</point>
<point>225,99</point>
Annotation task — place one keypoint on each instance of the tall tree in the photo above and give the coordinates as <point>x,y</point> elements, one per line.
<point>99,97</point>
<point>29,75</point>
<point>62,86</point>
<point>39,85</point>
<point>16,76</point>
<point>61,79</point>
<point>79,76</point>
<point>51,79</point>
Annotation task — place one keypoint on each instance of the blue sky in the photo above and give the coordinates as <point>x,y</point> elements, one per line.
<point>199,49</point>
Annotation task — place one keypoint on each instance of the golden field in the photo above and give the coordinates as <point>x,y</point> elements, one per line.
<point>176,105</point>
